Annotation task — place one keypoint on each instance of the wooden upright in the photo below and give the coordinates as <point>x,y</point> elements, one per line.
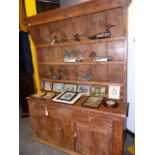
<point>73,128</point>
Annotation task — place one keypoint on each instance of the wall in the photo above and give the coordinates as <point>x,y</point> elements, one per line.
<point>131,64</point>
<point>69,2</point>
<point>131,68</point>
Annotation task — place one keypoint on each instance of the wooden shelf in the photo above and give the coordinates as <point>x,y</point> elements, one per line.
<point>83,63</point>
<point>70,43</point>
<point>82,82</point>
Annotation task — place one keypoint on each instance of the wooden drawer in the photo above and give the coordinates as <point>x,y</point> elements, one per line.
<point>92,120</point>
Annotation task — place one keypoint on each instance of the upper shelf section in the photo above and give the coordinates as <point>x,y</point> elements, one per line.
<point>68,43</point>
<point>75,10</point>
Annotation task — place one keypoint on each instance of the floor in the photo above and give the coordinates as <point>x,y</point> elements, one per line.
<point>29,147</point>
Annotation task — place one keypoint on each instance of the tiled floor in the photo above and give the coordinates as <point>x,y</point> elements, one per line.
<point>29,147</point>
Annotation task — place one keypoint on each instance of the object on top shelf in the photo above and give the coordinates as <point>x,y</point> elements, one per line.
<point>55,39</point>
<point>102,59</point>
<point>103,35</point>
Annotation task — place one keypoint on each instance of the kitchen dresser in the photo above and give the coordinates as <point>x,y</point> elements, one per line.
<point>76,129</point>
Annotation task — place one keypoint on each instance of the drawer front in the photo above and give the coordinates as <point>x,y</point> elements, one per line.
<point>92,120</point>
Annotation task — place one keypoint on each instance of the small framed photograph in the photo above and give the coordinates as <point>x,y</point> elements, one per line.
<point>42,85</point>
<point>93,102</point>
<point>67,96</point>
<point>84,90</point>
<point>114,92</point>
<point>98,91</point>
<point>58,87</point>
<point>49,95</point>
<point>47,86</point>
<point>70,87</point>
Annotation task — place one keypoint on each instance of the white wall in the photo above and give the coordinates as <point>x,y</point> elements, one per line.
<point>131,69</point>
<point>131,63</point>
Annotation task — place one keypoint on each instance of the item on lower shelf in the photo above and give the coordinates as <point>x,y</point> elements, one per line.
<point>84,90</point>
<point>56,77</point>
<point>58,87</point>
<point>49,95</point>
<point>93,102</point>
<point>74,59</point>
<point>98,91</point>
<point>67,97</point>
<point>114,92</point>
<point>38,95</point>
<point>110,103</point>
<point>70,87</point>
<point>102,59</point>
<point>87,77</point>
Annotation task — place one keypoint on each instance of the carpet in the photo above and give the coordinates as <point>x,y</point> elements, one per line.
<point>131,149</point>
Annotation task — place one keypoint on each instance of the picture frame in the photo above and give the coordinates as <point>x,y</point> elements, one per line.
<point>93,102</point>
<point>114,92</point>
<point>47,86</point>
<point>58,87</point>
<point>71,99</point>
<point>84,90</point>
<point>70,87</point>
<point>98,91</point>
<point>49,95</point>
<point>42,85</point>
<point>67,96</point>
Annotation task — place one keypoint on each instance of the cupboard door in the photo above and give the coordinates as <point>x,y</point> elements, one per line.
<point>55,130</point>
<point>89,140</point>
<point>39,120</point>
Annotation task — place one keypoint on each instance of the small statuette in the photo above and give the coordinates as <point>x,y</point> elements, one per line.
<point>106,34</point>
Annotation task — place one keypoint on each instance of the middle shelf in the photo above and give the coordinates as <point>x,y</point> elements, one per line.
<point>81,63</point>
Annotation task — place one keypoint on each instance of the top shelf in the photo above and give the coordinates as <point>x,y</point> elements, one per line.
<point>75,10</point>
<point>68,43</point>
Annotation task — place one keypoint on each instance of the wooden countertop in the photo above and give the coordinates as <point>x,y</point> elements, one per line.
<point>120,111</point>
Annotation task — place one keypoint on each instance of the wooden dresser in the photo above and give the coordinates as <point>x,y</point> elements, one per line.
<point>73,128</point>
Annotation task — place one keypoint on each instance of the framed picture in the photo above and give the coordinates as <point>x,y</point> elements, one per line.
<point>49,95</point>
<point>97,91</point>
<point>114,92</point>
<point>84,90</point>
<point>58,87</point>
<point>70,87</point>
<point>38,95</point>
<point>47,86</point>
<point>67,96</point>
<point>93,102</point>
<point>42,84</point>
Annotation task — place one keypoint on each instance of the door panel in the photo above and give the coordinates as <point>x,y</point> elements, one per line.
<point>92,141</point>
